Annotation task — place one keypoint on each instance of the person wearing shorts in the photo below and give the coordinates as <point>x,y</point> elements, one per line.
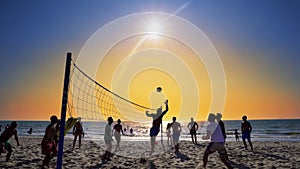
<point>5,136</point>
<point>157,120</point>
<point>246,129</point>
<point>217,143</point>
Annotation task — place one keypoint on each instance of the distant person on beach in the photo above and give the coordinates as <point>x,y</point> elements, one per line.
<point>4,138</point>
<point>108,139</point>
<point>176,130</point>
<point>77,132</point>
<point>236,133</point>
<point>157,120</point>
<point>193,127</point>
<point>246,129</point>
<point>49,142</point>
<point>222,125</point>
<point>117,133</point>
<point>30,131</point>
<point>0,128</point>
<point>168,131</point>
<point>131,131</point>
<point>217,143</point>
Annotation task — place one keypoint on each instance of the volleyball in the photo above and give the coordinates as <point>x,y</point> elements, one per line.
<point>158,89</point>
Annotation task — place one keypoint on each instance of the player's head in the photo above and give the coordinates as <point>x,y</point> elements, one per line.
<point>119,121</point>
<point>174,119</point>
<point>218,116</point>
<point>211,117</point>
<point>79,119</point>
<point>192,119</point>
<point>13,124</point>
<point>110,120</point>
<point>53,119</point>
<point>244,118</point>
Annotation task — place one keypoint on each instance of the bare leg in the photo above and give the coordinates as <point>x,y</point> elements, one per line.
<point>79,141</point>
<point>244,141</point>
<point>8,154</point>
<point>153,138</point>
<point>205,158</point>
<point>250,143</point>
<point>192,138</point>
<point>224,160</point>
<point>195,139</point>
<point>74,141</point>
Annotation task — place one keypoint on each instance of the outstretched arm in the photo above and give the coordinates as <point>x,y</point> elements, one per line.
<point>148,114</point>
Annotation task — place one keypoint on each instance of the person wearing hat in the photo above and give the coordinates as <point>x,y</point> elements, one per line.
<point>5,136</point>
<point>246,129</point>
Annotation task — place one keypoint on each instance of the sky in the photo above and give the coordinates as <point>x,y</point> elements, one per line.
<point>257,42</point>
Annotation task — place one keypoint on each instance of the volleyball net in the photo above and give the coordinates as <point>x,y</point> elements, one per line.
<point>90,100</point>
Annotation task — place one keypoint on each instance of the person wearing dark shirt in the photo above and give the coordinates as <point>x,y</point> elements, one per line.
<point>77,132</point>
<point>49,142</point>
<point>193,127</point>
<point>5,136</point>
<point>157,120</point>
<point>221,124</point>
<point>246,129</point>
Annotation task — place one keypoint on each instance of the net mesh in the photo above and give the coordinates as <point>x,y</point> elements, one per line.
<point>90,100</point>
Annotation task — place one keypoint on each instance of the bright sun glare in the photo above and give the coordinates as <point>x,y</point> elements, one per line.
<point>154,27</point>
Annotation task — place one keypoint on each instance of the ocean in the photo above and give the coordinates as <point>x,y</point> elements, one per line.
<point>263,130</point>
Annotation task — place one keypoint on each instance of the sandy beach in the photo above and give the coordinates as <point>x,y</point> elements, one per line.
<point>266,155</point>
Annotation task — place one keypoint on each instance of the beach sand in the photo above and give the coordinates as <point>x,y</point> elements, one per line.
<point>266,155</point>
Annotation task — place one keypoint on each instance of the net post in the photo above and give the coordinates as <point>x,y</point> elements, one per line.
<point>63,111</point>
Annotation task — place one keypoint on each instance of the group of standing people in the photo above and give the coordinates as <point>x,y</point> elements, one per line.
<point>215,132</point>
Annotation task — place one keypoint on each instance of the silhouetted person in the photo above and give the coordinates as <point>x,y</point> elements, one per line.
<point>117,133</point>
<point>217,143</point>
<point>30,131</point>
<point>131,131</point>
<point>236,133</point>
<point>77,132</point>
<point>5,136</point>
<point>49,142</point>
<point>108,139</point>
<point>0,128</point>
<point>193,127</point>
<point>246,131</point>
<point>222,125</point>
<point>176,129</point>
<point>157,120</point>
<point>168,131</point>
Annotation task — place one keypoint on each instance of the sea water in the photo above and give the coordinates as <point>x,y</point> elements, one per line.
<point>262,130</point>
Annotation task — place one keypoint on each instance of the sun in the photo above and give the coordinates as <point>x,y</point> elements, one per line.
<point>154,27</point>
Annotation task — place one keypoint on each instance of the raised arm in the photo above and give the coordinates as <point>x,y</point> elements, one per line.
<point>167,108</point>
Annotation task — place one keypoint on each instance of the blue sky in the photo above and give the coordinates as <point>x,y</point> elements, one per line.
<point>258,36</point>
